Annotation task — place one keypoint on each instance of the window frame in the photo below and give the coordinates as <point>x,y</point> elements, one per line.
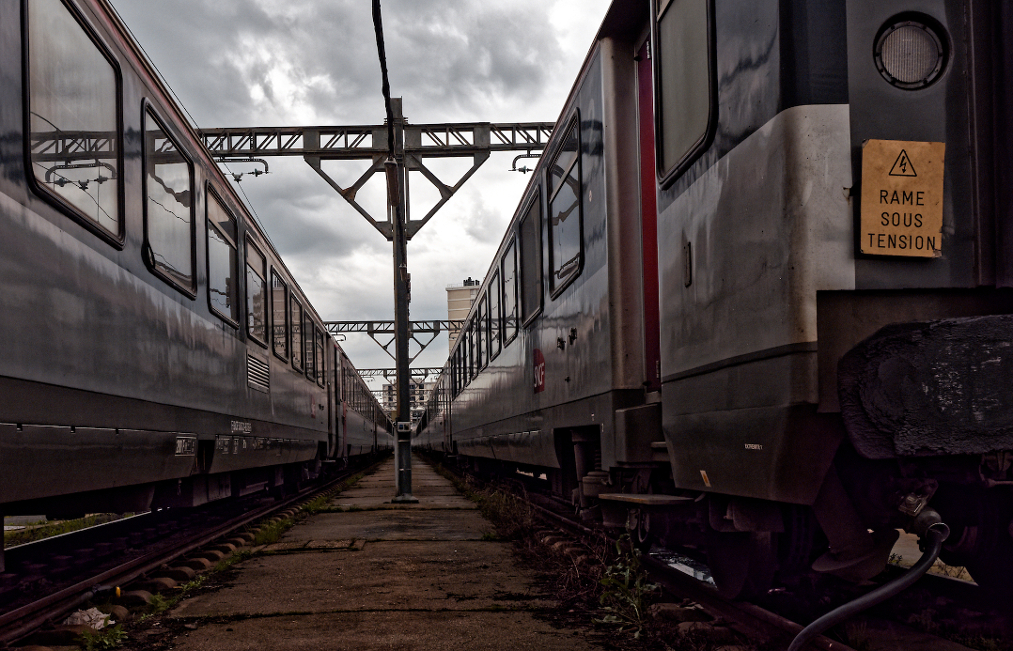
<point>460,369</point>
<point>482,332</point>
<point>537,215</point>
<point>249,241</point>
<point>116,240</point>
<point>512,246</point>
<point>285,293</point>
<point>149,110</point>
<point>495,320</point>
<point>320,348</point>
<point>469,354</point>
<point>210,195</point>
<point>552,192</point>
<point>666,177</point>
<point>453,372</point>
<point>309,361</point>
<point>301,357</point>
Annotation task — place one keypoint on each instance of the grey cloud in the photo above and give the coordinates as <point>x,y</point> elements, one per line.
<point>441,61</point>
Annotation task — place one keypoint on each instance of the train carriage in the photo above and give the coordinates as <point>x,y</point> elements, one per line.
<point>762,288</point>
<point>157,352</point>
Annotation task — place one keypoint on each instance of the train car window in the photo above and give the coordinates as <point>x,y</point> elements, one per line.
<point>684,86</point>
<point>256,294</point>
<point>321,367</point>
<point>73,118</point>
<point>453,373</point>
<point>457,371</point>
<point>308,336</point>
<point>495,316</point>
<point>463,348</point>
<point>530,231</point>
<point>510,293</point>
<point>279,316</point>
<point>223,256</point>
<point>472,352</point>
<point>297,345</point>
<point>566,255</point>
<point>469,354</point>
<point>168,206</point>
<point>482,334</point>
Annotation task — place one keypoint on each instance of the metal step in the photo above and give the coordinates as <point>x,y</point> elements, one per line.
<point>649,500</point>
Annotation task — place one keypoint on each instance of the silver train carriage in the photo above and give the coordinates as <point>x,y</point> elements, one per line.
<point>157,352</point>
<point>756,297</point>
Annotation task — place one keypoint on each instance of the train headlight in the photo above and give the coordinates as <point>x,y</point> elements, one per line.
<point>910,53</point>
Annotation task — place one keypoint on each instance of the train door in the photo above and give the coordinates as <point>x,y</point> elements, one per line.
<point>649,219</point>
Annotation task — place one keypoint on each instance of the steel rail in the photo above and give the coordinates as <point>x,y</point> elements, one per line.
<point>749,617</point>
<point>21,622</point>
<point>746,618</point>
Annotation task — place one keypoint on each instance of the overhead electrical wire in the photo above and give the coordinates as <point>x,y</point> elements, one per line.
<point>378,28</point>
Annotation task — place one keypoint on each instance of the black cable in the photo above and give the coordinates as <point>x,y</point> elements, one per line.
<point>935,536</point>
<point>378,27</point>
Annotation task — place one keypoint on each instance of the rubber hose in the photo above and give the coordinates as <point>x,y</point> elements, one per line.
<point>934,536</point>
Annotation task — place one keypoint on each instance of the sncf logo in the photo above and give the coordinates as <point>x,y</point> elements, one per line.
<point>539,371</point>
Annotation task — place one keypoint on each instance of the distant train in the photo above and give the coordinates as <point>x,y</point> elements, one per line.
<point>755,299</point>
<point>156,350</point>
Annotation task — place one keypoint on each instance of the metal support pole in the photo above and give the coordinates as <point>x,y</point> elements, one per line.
<point>395,170</point>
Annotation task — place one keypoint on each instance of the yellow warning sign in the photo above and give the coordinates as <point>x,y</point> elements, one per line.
<point>902,198</point>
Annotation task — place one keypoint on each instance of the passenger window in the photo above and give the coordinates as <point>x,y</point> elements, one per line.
<point>168,205</point>
<point>482,334</point>
<point>565,245</point>
<point>308,336</point>
<point>510,293</point>
<point>531,259</point>
<point>453,373</point>
<point>684,87</point>
<point>460,370</point>
<point>495,318</point>
<point>297,345</point>
<point>469,352</point>
<point>279,316</point>
<point>321,365</point>
<point>223,290</point>
<point>73,99</point>
<point>256,294</point>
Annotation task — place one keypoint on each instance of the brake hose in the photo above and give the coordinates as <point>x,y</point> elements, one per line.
<point>935,534</point>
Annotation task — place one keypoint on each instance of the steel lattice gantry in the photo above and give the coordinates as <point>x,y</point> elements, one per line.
<point>420,373</point>
<point>384,332</point>
<point>318,144</point>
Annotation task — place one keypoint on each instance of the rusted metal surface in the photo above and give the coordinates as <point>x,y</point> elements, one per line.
<point>932,388</point>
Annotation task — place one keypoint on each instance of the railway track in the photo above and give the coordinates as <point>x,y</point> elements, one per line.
<point>767,622</point>
<point>752,621</point>
<point>50,583</point>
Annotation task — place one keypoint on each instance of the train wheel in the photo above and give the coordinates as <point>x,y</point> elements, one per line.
<point>742,563</point>
<point>639,523</point>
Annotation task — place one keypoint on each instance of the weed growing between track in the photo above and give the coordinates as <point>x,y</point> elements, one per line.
<point>598,584</point>
<point>150,630</point>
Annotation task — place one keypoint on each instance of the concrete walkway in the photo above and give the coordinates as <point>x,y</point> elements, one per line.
<point>380,576</point>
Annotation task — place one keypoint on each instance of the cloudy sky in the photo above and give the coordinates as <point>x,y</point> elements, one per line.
<point>238,63</point>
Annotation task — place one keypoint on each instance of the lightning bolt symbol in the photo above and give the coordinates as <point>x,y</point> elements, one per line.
<point>903,165</point>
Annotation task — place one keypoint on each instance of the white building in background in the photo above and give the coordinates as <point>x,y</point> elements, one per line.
<point>460,298</point>
<point>417,393</point>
